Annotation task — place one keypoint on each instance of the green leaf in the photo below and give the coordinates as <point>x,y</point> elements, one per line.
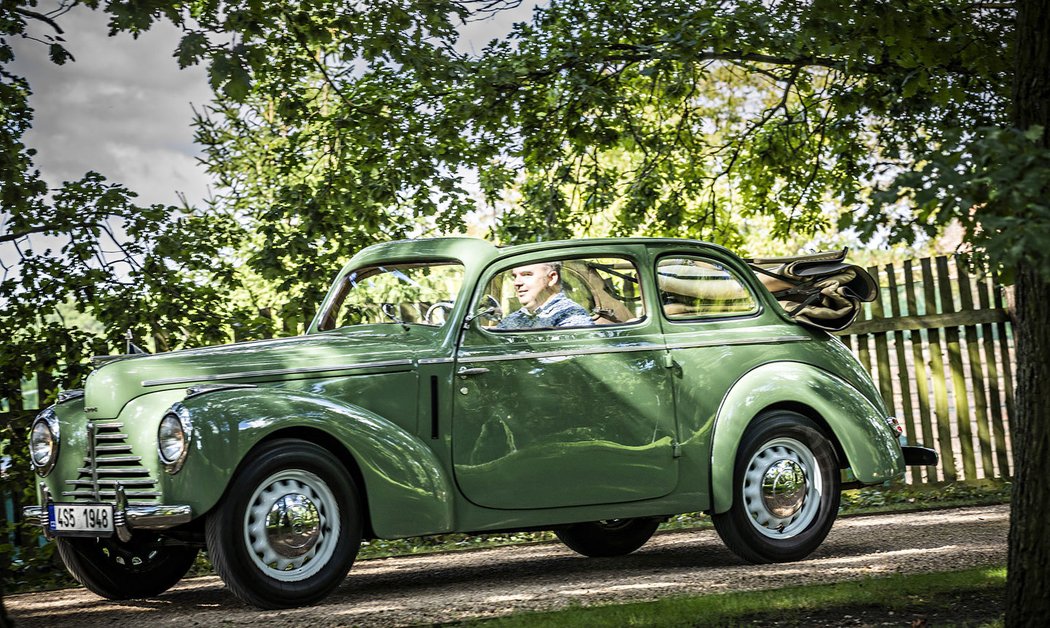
<point>191,49</point>
<point>58,53</point>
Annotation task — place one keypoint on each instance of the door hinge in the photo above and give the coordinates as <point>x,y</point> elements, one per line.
<point>676,449</point>
<point>668,360</point>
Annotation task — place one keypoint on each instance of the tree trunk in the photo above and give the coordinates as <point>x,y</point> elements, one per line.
<point>1028,564</point>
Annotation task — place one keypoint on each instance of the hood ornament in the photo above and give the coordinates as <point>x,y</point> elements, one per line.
<point>132,348</point>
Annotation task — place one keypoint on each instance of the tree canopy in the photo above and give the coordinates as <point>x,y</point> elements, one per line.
<point>337,124</point>
<point>666,116</point>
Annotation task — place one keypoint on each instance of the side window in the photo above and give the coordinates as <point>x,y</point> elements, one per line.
<point>696,288</point>
<point>564,293</point>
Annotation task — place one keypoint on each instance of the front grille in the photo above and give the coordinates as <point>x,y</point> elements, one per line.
<point>109,461</point>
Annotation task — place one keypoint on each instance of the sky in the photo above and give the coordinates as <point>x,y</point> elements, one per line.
<point>124,108</point>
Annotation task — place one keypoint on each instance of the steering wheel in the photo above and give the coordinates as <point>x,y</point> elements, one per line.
<point>440,305</point>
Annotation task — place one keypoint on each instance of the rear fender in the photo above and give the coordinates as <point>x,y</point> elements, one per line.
<point>871,449</point>
<point>401,475</point>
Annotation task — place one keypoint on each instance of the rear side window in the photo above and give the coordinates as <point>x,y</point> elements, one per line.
<point>692,288</point>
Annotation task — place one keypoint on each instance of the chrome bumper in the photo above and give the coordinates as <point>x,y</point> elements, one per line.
<point>125,517</point>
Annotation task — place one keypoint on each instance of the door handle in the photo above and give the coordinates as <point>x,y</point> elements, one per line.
<point>464,372</point>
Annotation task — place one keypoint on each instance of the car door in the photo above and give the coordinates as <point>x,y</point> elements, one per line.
<point>716,331</point>
<point>564,416</point>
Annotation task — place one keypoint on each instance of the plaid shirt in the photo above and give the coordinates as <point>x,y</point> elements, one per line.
<point>558,311</point>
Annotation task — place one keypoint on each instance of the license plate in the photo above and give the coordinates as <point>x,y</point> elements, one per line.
<point>80,519</point>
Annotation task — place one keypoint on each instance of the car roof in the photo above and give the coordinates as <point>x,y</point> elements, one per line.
<point>477,250</point>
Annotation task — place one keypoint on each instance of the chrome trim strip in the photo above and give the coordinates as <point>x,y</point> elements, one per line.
<point>101,495</point>
<point>769,340</point>
<point>35,516</point>
<point>272,372</point>
<point>202,389</point>
<point>561,354</point>
<point>436,361</point>
<point>113,436</point>
<point>92,458</point>
<point>114,481</point>
<point>111,449</point>
<point>115,471</point>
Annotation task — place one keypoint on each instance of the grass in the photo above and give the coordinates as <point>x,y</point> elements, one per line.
<point>905,497</point>
<point>955,598</point>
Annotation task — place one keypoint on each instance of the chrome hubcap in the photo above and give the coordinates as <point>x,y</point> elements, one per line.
<point>291,526</point>
<point>782,488</point>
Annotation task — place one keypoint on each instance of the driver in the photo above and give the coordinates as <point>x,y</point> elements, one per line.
<point>544,304</point>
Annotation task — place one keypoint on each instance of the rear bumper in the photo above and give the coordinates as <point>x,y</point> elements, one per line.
<point>919,456</point>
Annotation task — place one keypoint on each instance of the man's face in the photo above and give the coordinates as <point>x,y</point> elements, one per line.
<point>534,284</point>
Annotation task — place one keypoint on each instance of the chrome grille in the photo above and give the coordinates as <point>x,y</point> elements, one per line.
<point>109,461</point>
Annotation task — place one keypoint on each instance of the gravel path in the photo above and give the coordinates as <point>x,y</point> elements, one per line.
<point>444,587</point>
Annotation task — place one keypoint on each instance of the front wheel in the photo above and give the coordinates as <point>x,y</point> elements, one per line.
<point>289,527</point>
<point>613,537</point>
<point>140,568</point>
<point>785,490</point>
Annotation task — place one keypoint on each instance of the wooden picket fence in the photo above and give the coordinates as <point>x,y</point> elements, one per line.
<point>939,344</point>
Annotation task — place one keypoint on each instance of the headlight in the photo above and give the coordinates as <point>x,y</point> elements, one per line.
<point>173,438</point>
<point>43,442</point>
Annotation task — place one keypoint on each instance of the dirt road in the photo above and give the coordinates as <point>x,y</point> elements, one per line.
<point>439,588</point>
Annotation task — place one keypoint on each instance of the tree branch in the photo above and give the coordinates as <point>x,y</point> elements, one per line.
<point>18,235</point>
<point>33,15</point>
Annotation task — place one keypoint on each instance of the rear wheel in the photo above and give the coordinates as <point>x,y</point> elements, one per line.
<point>786,490</point>
<point>289,527</point>
<point>613,537</point>
<point>142,567</point>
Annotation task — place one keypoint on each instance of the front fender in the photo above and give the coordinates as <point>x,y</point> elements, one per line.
<point>408,493</point>
<point>871,449</point>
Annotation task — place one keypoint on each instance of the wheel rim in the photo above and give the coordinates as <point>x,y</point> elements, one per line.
<point>129,557</point>
<point>291,526</point>
<point>782,488</point>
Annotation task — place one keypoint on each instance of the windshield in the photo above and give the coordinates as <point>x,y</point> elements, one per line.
<point>420,293</point>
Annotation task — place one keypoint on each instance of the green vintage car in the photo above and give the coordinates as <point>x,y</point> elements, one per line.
<point>591,387</point>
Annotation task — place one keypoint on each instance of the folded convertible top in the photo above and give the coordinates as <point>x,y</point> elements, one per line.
<point>820,290</point>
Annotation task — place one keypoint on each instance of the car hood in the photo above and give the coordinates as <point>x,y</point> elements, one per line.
<point>355,350</point>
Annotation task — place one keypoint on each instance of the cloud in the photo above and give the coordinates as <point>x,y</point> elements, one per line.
<point>123,109</point>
